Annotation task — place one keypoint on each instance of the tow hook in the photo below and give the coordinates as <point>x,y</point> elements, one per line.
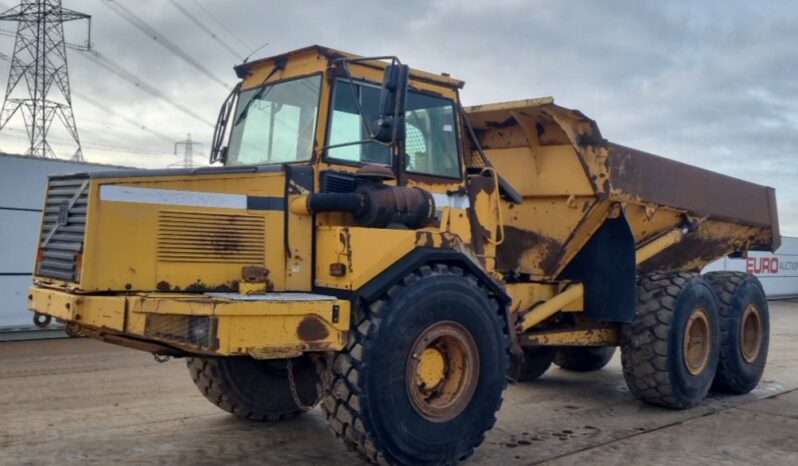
<point>41,320</point>
<point>73,330</point>
<point>161,358</point>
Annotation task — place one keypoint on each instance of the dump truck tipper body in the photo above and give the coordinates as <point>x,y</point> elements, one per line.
<point>363,233</point>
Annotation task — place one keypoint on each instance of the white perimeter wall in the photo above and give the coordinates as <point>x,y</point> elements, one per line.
<point>778,272</point>
<point>22,186</point>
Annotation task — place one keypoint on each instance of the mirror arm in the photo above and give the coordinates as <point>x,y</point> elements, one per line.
<point>344,62</point>
<point>348,73</point>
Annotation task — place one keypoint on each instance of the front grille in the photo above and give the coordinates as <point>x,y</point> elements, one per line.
<point>63,228</point>
<point>199,331</point>
<point>201,237</point>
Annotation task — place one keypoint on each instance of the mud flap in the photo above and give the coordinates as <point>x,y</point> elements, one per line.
<point>606,266</point>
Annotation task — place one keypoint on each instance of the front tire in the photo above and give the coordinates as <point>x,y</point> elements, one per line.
<point>423,373</point>
<point>257,390</point>
<point>669,352</point>
<point>744,331</point>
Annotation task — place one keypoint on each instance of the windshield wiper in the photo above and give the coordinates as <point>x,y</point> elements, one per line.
<point>279,65</point>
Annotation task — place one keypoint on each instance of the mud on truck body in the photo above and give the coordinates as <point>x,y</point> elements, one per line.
<point>366,243</point>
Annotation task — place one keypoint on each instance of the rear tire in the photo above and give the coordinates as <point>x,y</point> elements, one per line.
<point>392,404</point>
<point>583,358</point>
<point>252,389</point>
<point>669,352</point>
<point>744,331</point>
<point>536,361</point>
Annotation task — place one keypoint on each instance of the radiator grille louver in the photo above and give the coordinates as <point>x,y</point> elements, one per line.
<point>200,237</point>
<point>63,228</point>
<point>337,182</point>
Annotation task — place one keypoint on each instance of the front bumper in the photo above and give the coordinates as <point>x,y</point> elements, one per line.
<point>264,326</point>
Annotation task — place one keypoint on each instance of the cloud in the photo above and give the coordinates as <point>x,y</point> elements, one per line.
<point>708,83</point>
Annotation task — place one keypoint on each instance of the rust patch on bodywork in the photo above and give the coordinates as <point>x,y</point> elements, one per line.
<point>444,240</point>
<point>424,239</point>
<point>690,249</point>
<point>477,185</point>
<point>254,274</point>
<point>519,242</point>
<point>711,240</point>
<point>311,329</point>
<point>199,287</point>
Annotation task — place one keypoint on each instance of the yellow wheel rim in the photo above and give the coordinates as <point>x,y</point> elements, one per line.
<point>442,371</point>
<point>697,341</point>
<point>751,333</point>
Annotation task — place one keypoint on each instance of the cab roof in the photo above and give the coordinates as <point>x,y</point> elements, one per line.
<point>243,69</point>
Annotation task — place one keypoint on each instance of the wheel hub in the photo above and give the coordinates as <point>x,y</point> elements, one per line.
<point>750,333</point>
<point>431,368</point>
<point>697,341</point>
<point>442,371</point>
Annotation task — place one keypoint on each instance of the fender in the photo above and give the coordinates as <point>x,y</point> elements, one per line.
<point>413,260</point>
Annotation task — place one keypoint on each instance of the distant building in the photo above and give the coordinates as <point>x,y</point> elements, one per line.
<point>778,272</point>
<point>22,187</point>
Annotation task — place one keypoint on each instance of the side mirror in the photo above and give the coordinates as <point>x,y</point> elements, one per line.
<point>390,124</point>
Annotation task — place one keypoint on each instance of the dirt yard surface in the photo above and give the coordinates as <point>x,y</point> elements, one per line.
<point>80,402</point>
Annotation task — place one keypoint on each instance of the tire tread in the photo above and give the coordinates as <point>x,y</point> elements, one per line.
<point>644,342</point>
<point>344,397</point>
<point>215,384</point>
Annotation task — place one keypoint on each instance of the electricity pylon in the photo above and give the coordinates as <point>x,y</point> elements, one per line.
<point>40,62</point>
<point>188,152</point>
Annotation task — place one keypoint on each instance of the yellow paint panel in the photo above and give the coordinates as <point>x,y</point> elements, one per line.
<point>138,246</point>
<point>365,251</point>
<point>95,311</point>
<point>554,170</point>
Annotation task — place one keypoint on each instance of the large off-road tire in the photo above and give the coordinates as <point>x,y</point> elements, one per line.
<point>744,331</point>
<point>422,375</point>
<point>253,389</point>
<point>669,352</point>
<point>536,361</point>
<point>583,358</point>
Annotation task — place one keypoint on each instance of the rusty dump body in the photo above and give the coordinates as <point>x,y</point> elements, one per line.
<point>572,181</point>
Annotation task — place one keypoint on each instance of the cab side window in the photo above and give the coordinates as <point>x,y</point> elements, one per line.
<point>431,145</point>
<point>431,140</point>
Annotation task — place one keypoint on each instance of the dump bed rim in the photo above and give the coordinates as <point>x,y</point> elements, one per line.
<point>663,181</point>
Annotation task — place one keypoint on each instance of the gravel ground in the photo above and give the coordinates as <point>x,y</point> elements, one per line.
<point>77,401</point>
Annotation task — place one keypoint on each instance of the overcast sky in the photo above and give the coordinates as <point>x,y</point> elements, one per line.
<point>712,83</point>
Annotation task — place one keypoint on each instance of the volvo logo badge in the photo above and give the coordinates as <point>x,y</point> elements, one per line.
<point>63,213</point>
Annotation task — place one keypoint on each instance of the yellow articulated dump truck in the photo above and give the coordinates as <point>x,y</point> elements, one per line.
<point>364,242</point>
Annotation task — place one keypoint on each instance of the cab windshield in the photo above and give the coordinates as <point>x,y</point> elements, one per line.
<point>275,123</point>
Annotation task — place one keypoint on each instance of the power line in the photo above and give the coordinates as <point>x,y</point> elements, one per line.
<point>109,110</point>
<point>95,145</point>
<point>221,25</point>
<point>137,22</point>
<point>205,28</point>
<point>133,122</point>
<point>113,67</point>
<point>109,65</point>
